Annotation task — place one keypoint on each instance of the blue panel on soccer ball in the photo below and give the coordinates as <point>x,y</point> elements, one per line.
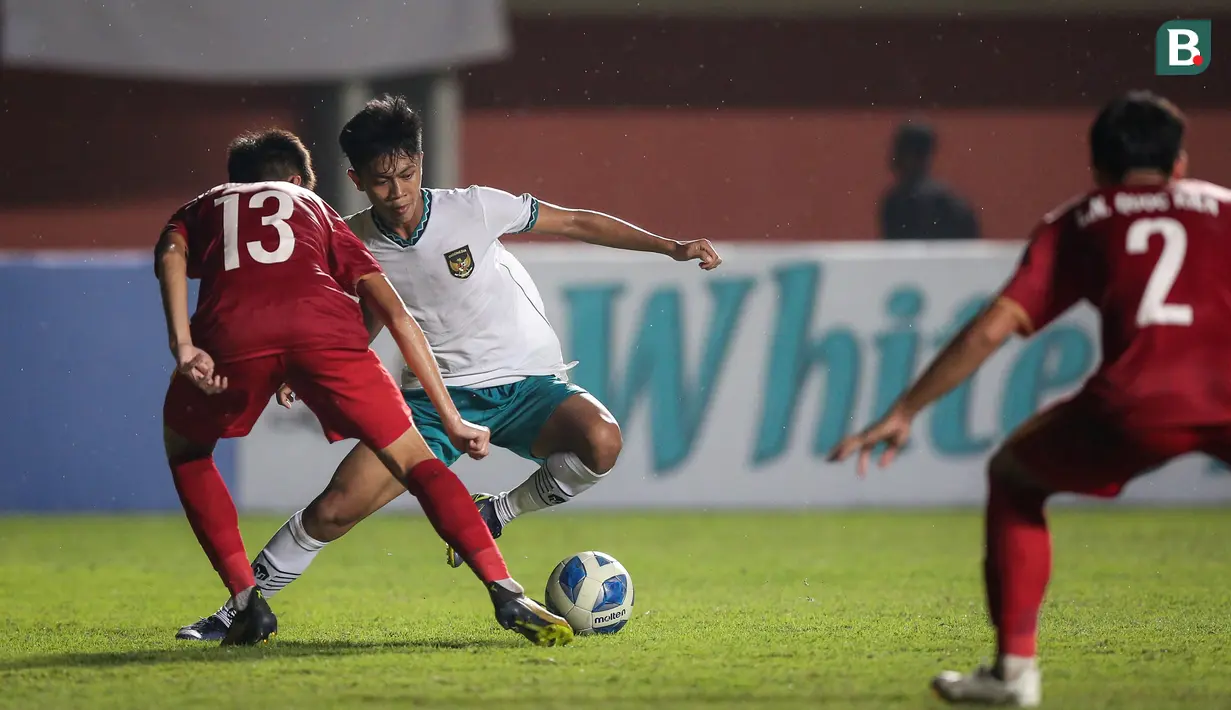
<point>614,591</point>
<point>570,579</point>
<point>602,559</point>
<point>611,629</point>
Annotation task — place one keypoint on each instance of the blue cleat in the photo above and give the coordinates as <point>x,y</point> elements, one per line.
<point>211,628</point>
<point>487,508</point>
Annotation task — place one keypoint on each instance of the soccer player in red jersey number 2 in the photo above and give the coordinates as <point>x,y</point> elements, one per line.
<point>1152,252</point>
<point>279,273</point>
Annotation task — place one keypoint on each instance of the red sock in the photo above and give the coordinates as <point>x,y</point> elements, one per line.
<point>211,513</point>
<point>1018,565</point>
<point>448,505</point>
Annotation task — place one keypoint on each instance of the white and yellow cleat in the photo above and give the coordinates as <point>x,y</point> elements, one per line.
<point>1022,688</point>
<point>532,620</point>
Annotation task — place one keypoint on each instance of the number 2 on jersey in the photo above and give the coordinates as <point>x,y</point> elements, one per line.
<point>277,220</point>
<point>1154,309</point>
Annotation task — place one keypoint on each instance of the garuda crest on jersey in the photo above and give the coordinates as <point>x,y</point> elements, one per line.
<point>461,262</point>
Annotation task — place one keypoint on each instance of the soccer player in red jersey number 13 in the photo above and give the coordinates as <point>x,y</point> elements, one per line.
<point>279,272</point>
<point>1151,251</point>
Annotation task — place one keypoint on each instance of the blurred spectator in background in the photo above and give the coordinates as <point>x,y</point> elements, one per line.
<point>917,206</point>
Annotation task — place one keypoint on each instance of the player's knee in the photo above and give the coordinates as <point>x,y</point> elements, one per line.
<point>180,449</point>
<point>404,454</point>
<point>1001,464</point>
<point>330,516</point>
<point>603,443</point>
<point>1006,469</point>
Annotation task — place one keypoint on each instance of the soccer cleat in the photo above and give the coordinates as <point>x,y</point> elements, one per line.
<point>982,687</point>
<point>486,504</point>
<point>211,628</point>
<point>255,624</point>
<point>530,619</point>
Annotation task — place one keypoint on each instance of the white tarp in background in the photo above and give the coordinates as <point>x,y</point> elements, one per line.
<point>248,40</point>
<point>731,385</point>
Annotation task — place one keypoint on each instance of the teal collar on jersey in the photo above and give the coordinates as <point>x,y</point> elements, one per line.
<point>392,236</point>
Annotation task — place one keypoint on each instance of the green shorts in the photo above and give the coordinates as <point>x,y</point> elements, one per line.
<point>515,413</point>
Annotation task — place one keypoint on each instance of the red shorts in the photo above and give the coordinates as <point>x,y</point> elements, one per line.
<point>1077,447</point>
<point>349,391</point>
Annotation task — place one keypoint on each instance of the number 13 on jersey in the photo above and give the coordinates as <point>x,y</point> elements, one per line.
<point>277,220</point>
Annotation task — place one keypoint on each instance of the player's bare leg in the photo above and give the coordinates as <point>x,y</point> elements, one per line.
<point>212,515</point>
<point>360,486</point>
<point>580,442</point>
<point>448,506</point>
<point>1016,570</point>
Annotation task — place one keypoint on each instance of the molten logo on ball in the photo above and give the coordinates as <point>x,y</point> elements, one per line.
<point>592,591</point>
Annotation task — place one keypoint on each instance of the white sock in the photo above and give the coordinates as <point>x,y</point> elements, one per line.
<point>560,478</point>
<point>287,554</point>
<point>239,602</point>
<point>510,584</point>
<point>1012,667</point>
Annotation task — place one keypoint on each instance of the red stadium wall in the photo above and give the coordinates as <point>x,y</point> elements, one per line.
<point>787,175</point>
<point>728,128</point>
<point>102,163</point>
<point>737,175</point>
<point>755,128</point>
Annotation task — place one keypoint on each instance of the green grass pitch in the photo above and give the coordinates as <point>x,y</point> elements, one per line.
<point>818,609</point>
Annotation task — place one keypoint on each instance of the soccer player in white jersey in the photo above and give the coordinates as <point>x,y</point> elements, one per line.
<point>485,322</point>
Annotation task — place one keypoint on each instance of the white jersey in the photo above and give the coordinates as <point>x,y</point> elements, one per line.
<point>480,311</point>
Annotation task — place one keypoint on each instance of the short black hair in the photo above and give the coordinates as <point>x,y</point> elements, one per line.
<point>1137,131</point>
<point>387,127</point>
<point>914,139</point>
<point>270,154</point>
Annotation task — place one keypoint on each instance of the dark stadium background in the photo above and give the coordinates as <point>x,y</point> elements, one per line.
<point>756,121</point>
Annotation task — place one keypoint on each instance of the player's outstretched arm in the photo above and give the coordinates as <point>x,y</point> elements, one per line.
<point>978,341</point>
<point>171,266</point>
<point>378,296</point>
<point>607,231</point>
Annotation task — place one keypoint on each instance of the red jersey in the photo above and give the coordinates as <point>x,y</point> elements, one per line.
<point>278,269</point>
<point>1156,263</point>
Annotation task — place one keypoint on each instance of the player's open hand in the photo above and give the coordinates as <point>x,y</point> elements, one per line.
<point>892,431</point>
<point>471,439</point>
<point>196,364</point>
<point>700,249</point>
<point>286,396</point>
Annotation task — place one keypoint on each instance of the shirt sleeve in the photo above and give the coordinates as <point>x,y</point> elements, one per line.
<point>349,259</point>
<point>506,213</point>
<point>1047,281</point>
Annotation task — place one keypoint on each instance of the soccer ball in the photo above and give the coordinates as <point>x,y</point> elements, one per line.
<point>592,591</point>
